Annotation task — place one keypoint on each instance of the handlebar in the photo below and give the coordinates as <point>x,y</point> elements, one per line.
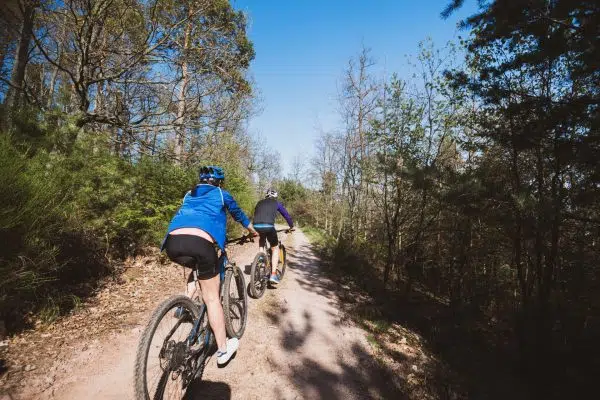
<point>250,237</point>
<point>241,240</point>
<point>288,230</point>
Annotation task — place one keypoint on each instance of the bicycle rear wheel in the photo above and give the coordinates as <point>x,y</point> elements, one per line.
<point>165,364</point>
<point>235,302</point>
<point>258,272</point>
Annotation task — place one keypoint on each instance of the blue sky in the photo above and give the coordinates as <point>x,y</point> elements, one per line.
<point>302,47</point>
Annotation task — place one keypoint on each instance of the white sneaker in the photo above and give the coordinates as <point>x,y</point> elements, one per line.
<point>224,356</point>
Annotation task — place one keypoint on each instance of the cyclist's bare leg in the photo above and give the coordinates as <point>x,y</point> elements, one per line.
<point>274,259</point>
<point>216,318</point>
<point>191,290</point>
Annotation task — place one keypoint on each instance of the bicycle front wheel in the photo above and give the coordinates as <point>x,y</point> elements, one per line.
<point>235,302</point>
<point>163,365</point>
<point>258,275</point>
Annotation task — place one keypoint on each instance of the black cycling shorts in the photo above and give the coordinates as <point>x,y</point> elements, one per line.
<point>269,234</point>
<point>193,252</point>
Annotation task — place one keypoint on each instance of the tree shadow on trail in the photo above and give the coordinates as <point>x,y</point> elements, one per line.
<point>309,274</point>
<point>470,364</point>
<point>208,390</point>
<point>349,375</point>
<point>360,377</point>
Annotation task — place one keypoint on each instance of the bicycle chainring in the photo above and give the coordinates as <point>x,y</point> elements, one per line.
<point>174,355</point>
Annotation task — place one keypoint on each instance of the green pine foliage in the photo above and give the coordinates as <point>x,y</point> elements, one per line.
<point>65,217</point>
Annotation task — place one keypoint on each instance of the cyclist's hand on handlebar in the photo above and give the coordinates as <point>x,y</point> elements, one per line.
<point>251,231</point>
<point>292,229</point>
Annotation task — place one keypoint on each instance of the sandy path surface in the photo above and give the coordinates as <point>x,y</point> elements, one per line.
<point>297,345</point>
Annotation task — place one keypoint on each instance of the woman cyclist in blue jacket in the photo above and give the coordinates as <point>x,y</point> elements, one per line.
<point>196,229</point>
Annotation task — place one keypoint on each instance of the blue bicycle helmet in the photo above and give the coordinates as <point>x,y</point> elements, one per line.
<point>211,174</point>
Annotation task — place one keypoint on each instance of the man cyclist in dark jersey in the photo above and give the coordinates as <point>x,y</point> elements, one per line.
<point>264,223</point>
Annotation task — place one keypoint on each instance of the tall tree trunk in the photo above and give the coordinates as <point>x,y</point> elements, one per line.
<point>55,71</point>
<point>181,106</point>
<point>17,81</point>
<point>52,87</point>
<point>5,41</point>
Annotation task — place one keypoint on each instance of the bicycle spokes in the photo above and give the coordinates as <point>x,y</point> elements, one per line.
<point>236,307</point>
<point>169,355</point>
<point>236,303</point>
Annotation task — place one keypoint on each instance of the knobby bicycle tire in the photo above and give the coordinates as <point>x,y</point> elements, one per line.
<point>235,308</point>
<point>258,288</point>
<point>141,360</point>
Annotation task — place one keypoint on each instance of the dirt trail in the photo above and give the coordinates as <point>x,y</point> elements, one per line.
<point>297,345</point>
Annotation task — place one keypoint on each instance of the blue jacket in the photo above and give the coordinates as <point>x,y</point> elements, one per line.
<point>205,210</point>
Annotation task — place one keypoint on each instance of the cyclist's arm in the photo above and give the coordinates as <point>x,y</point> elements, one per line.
<point>284,213</point>
<point>236,212</point>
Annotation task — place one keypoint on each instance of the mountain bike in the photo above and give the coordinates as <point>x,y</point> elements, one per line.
<point>178,340</point>
<point>261,268</point>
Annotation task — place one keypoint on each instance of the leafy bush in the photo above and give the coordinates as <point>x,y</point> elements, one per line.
<point>127,204</point>
<point>31,216</point>
<point>65,214</point>
<point>34,218</point>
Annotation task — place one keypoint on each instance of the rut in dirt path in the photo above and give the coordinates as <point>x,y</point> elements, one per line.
<point>299,345</point>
